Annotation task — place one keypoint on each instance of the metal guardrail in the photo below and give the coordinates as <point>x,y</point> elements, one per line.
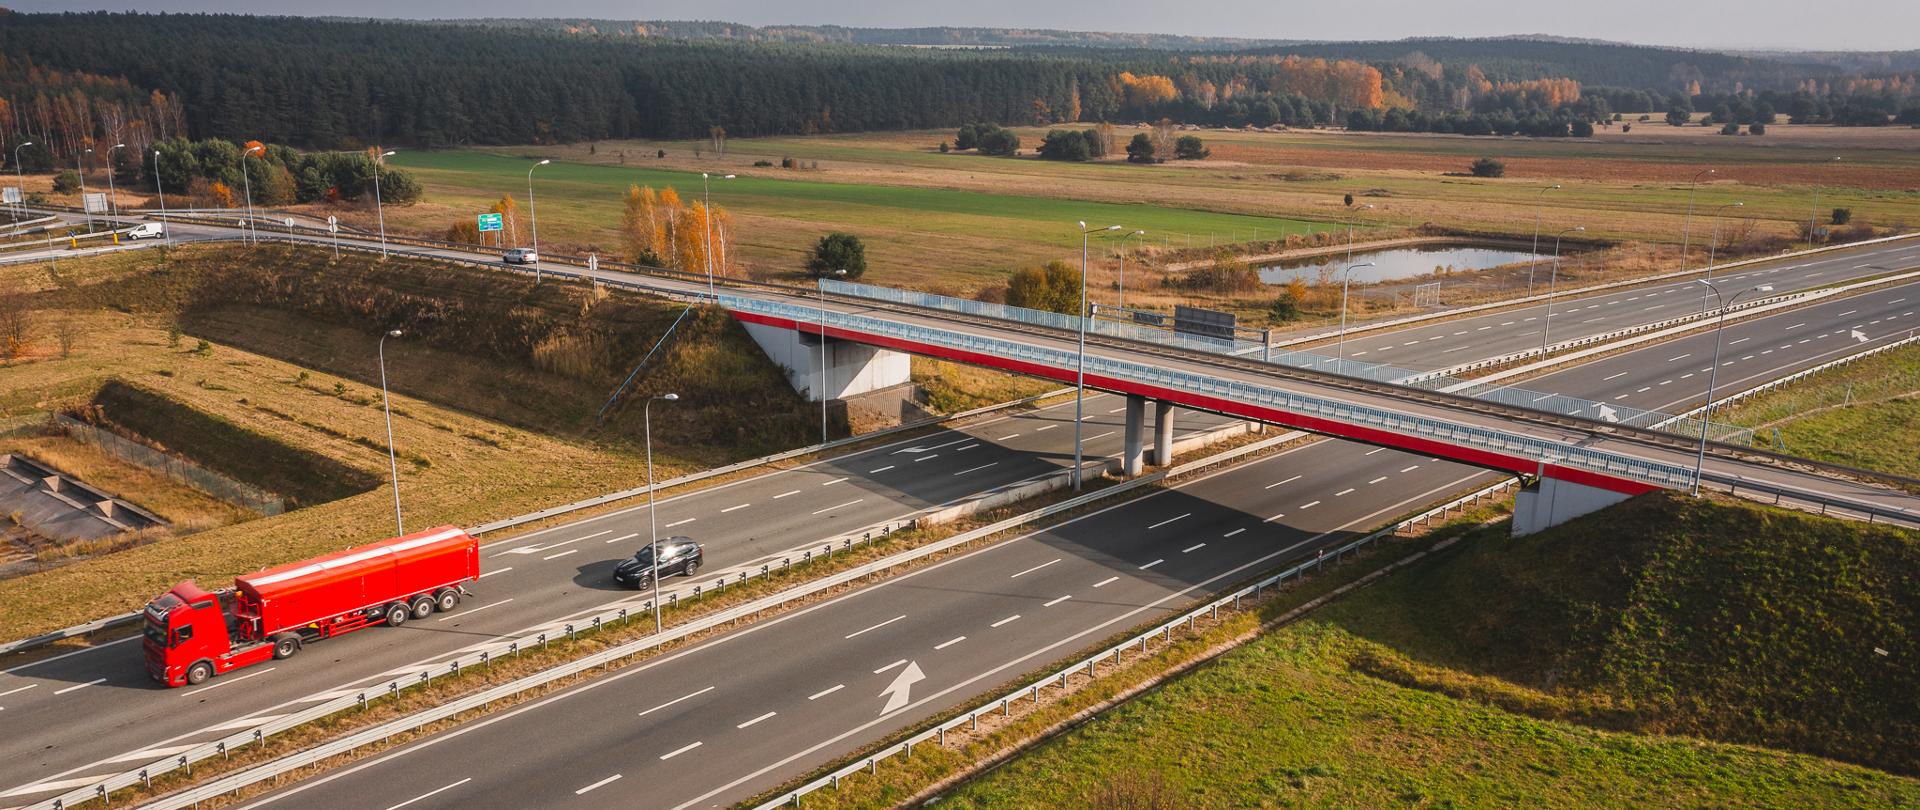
<point>1089,665</point>
<point>144,775</point>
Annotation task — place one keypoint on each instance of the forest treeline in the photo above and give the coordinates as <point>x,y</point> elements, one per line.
<point>346,84</point>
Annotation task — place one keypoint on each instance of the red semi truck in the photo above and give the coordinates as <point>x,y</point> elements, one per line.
<point>192,634</point>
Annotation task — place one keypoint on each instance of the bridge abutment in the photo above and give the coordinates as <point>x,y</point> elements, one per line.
<point>1549,502</point>
<point>851,368</point>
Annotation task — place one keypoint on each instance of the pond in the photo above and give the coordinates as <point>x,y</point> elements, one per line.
<point>1395,264</point>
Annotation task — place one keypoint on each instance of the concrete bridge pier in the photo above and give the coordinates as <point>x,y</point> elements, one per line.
<point>1546,502</point>
<point>851,368</point>
<point>1162,432</point>
<point>1131,454</point>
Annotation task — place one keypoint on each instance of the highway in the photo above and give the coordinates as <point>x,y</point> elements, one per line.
<point>724,720</point>
<point>101,714</point>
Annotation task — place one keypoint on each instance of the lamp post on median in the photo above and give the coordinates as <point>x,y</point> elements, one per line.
<point>81,168</point>
<point>534,214</point>
<point>1340,359</point>
<point>393,463</point>
<point>1538,203</point>
<point>379,211</point>
<point>1686,227</point>
<point>821,283</point>
<point>1080,373</point>
<point>1713,374</point>
<point>253,235</point>
<point>1715,244</point>
<point>113,197</point>
<point>1553,281</point>
<point>1123,267</point>
<point>706,196</point>
<point>653,533</point>
<point>1813,212</point>
<point>20,177</point>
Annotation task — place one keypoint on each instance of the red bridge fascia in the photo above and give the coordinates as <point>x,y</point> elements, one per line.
<point>1413,444</point>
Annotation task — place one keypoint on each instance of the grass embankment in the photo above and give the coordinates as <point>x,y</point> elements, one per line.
<point>1545,671</point>
<point>1861,415</point>
<point>184,508</point>
<point>954,387</point>
<point>494,392</point>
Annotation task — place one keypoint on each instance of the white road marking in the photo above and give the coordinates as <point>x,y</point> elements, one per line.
<point>79,686</point>
<point>1193,548</point>
<point>1274,518</point>
<point>928,456</point>
<point>1044,427</point>
<point>1374,450</point>
<point>1101,436</point>
<point>1057,601</point>
<point>735,508</point>
<point>561,554</point>
<point>881,470</point>
<point>1169,520</point>
<point>1151,564</point>
<point>1614,377</point>
<point>756,720</point>
<point>1681,357</point>
<point>675,700</point>
<point>878,626</point>
<point>496,571</point>
<point>433,792</point>
<point>1342,492</point>
<point>828,691</point>
<point>20,689</point>
<point>1014,618</point>
<point>685,522</point>
<point>475,610</point>
<point>1310,505</point>
<point>678,751</point>
<point>1006,437</point>
<point>976,469</point>
<point>622,537</point>
<point>1234,532</point>
<point>1644,389</point>
<point>966,447</point>
<point>949,642</point>
<point>899,663</point>
<point>1278,483</point>
<point>1793,327</point>
<point>1033,569</point>
<point>1742,340</point>
<point>834,481</point>
<point>1376,480</point>
<point>1107,581</point>
<point>1410,469</point>
<point>602,783</point>
<point>1117,410</point>
<point>841,506</point>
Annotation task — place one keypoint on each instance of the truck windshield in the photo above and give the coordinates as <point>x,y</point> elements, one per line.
<point>156,634</point>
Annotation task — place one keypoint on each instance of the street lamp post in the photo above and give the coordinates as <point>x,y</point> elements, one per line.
<point>20,177</point>
<point>393,463</point>
<point>653,532</point>
<point>534,214</point>
<point>1080,372</point>
<point>166,229</point>
<point>1553,282</point>
<point>1713,374</point>
<point>1813,213</point>
<point>379,210</point>
<point>706,196</point>
<point>113,197</point>
<point>1713,247</point>
<point>1340,359</point>
<point>821,283</point>
<point>81,168</point>
<point>1539,202</point>
<point>1686,227</point>
<point>253,234</point>
<point>1350,219</point>
<point>1123,267</point>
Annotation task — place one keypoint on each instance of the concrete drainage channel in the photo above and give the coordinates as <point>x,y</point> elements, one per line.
<point>483,657</point>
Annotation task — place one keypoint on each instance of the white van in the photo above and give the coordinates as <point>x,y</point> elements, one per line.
<point>147,230</point>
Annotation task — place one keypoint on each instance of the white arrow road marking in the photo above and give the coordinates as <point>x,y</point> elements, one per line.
<point>1857,335</point>
<point>898,691</point>
<point>1609,414</point>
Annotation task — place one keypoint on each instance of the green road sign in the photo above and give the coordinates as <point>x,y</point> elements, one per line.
<point>491,222</point>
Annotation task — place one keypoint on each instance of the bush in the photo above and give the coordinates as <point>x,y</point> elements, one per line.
<point>1756,128</point>
<point>1285,309</point>
<point>1582,129</point>
<point>945,148</point>
<point>1678,117</point>
<point>1842,216</point>
<point>1140,149</point>
<point>763,163</point>
<point>1730,128</point>
<point>1189,147</point>
<point>968,137</point>
<point>66,182</point>
<point>1349,200</point>
<point>1054,288</point>
<point>1489,167</point>
<point>1066,144</point>
<point>999,142</point>
<point>838,251</point>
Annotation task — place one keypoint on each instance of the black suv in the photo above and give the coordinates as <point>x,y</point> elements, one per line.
<point>678,555</point>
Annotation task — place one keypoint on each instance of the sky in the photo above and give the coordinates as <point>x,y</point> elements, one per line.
<point>1769,24</point>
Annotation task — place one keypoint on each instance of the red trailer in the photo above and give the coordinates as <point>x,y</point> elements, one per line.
<point>192,634</point>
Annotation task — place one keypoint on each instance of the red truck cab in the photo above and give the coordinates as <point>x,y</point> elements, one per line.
<point>192,634</point>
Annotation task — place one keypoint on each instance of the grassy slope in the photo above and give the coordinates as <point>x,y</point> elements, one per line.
<point>1860,415</point>
<point>1476,679</point>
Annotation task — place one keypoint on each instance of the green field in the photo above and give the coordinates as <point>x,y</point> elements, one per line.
<point>1637,657</point>
<point>913,233</point>
<point>1859,415</point>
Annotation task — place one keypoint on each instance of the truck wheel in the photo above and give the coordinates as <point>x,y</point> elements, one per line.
<point>447,600</point>
<point>422,606</point>
<point>199,673</point>
<point>397,614</point>
<point>285,645</point>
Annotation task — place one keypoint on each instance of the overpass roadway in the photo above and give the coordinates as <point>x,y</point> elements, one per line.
<point>730,718</point>
<point>104,714</point>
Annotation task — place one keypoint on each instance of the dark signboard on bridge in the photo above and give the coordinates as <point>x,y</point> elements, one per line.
<point>1204,322</point>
